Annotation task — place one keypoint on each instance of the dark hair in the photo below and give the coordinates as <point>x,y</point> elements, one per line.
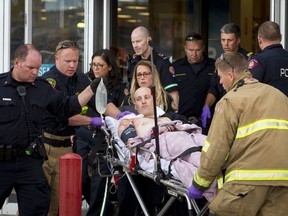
<point>193,36</point>
<point>231,28</point>
<point>22,51</point>
<point>114,77</point>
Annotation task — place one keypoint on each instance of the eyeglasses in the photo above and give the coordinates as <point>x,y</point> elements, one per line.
<point>222,58</point>
<point>193,36</point>
<point>97,66</point>
<point>144,74</point>
<point>67,44</point>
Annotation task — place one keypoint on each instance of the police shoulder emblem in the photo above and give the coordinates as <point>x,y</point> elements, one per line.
<point>171,70</point>
<point>126,91</point>
<point>252,63</point>
<point>52,82</point>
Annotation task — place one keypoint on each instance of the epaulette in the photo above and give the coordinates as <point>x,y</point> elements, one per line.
<point>163,56</point>
<point>3,75</point>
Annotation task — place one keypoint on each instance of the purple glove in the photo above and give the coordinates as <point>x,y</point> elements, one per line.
<point>121,115</point>
<point>205,114</point>
<point>194,193</point>
<point>96,122</point>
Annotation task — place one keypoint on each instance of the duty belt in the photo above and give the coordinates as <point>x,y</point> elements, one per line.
<point>9,153</point>
<point>57,141</point>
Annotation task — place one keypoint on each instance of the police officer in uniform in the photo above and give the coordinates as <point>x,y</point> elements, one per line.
<point>140,38</point>
<point>27,104</point>
<point>64,77</point>
<point>246,147</point>
<point>91,143</point>
<point>230,34</point>
<point>271,64</point>
<point>193,74</point>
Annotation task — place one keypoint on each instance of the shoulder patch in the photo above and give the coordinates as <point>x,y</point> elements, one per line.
<point>173,106</point>
<point>126,92</point>
<point>52,82</point>
<point>252,64</point>
<point>171,70</point>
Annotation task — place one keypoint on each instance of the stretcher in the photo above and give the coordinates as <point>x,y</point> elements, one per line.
<point>118,154</point>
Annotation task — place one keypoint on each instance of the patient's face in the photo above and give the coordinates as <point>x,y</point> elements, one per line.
<point>144,101</point>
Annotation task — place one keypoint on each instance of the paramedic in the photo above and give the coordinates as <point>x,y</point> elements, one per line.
<point>230,34</point>
<point>90,139</point>
<point>27,104</point>
<point>248,153</point>
<point>193,74</point>
<point>271,64</point>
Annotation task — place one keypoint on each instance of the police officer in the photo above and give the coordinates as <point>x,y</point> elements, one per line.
<point>64,77</point>
<point>27,104</point>
<point>140,38</point>
<point>271,64</point>
<point>193,74</point>
<point>230,34</point>
<point>231,38</point>
<point>246,147</point>
<point>91,143</point>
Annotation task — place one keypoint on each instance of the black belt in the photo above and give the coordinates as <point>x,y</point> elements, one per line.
<point>8,154</point>
<point>57,143</point>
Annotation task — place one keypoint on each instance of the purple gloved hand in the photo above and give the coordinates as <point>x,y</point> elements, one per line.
<point>121,115</point>
<point>205,114</point>
<point>194,193</point>
<point>96,122</point>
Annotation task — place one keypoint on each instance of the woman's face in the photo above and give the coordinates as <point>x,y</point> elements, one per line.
<point>100,67</point>
<point>144,76</point>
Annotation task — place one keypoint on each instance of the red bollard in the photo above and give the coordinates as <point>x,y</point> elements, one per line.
<point>70,197</point>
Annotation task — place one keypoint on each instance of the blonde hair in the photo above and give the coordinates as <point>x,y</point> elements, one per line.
<point>161,96</point>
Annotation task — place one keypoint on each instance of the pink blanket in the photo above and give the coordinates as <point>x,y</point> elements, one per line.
<point>173,144</point>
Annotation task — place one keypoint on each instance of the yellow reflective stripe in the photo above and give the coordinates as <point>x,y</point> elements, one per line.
<point>220,182</point>
<point>201,182</point>
<point>261,125</point>
<point>206,146</point>
<point>257,175</point>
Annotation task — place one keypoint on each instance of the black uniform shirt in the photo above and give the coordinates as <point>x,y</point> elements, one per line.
<point>164,68</point>
<point>42,103</point>
<point>271,67</point>
<point>193,84</point>
<point>69,86</point>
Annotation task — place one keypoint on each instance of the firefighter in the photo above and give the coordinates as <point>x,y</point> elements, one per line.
<point>248,152</point>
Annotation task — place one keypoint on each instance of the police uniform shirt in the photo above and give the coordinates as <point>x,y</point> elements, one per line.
<point>193,84</point>
<point>164,68</point>
<point>70,86</point>
<point>42,103</point>
<point>245,53</point>
<point>270,66</point>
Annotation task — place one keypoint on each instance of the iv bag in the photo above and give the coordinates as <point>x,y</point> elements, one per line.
<point>101,98</point>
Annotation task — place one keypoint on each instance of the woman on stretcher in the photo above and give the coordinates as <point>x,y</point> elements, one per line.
<point>134,130</point>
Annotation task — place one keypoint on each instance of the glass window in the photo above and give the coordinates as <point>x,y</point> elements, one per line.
<point>54,21</point>
<point>168,22</point>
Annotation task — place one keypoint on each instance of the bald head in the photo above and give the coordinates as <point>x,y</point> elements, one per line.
<point>143,101</point>
<point>139,39</point>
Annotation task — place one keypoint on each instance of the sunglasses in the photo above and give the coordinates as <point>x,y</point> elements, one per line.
<point>223,58</point>
<point>193,36</point>
<point>67,44</point>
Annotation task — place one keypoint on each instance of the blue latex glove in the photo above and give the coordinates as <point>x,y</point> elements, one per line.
<point>96,122</point>
<point>205,114</point>
<point>195,193</point>
<point>121,115</point>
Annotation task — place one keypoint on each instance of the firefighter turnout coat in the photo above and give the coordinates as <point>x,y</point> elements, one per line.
<point>248,139</point>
